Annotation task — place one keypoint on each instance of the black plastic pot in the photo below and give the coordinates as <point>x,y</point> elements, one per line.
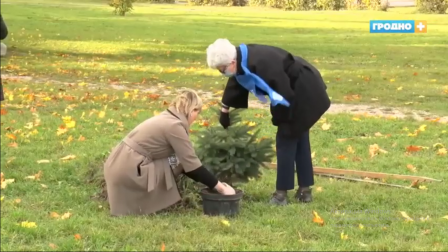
<point>215,204</point>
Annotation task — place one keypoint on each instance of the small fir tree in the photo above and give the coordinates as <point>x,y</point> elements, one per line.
<point>236,154</point>
<point>121,7</point>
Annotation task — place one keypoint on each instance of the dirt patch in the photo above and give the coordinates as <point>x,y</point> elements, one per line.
<point>336,108</point>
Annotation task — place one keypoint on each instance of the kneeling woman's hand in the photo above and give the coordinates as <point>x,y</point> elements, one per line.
<point>224,188</point>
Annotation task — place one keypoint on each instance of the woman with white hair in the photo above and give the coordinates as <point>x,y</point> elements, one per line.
<point>298,99</point>
<point>141,170</point>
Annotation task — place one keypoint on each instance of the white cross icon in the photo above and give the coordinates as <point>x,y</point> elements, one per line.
<point>420,26</point>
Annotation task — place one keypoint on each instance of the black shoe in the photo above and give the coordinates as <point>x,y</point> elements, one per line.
<point>279,198</point>
<point>304,195</point>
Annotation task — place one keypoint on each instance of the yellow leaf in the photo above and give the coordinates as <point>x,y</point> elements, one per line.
<point>17,201</point>
<point>69,157</point>
<point>313,154</point>
<point>442,151</point>
<point>225,223</point>
<point>54,215</point>
<point>361,226</point>
<point>411,168</point>
<point>392,80</point>
<point>5,182</point>
<point>424,218</point>
<point>438,145</point>
<point>400,88</point>
<point>344,236</point>
<point>251,124</point>
<point>101,114</point>
<point>1,199</point>
<point>319,189</point>
<point>422,187</point>
<point>70,124</point>
<point>326,126</point>
<point>317,219</point>
<point>27,224</point>
<point>375,150</point>
<point>350,149</point>
<point>43,161</point>
<point>445,217</point>
<point>406,216</point>
<point>66,215</point>
<point>35,176</point>
<point>356,119</point>
<point>422,128</point>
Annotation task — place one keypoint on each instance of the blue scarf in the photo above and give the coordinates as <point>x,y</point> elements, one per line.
<point>254,84</point>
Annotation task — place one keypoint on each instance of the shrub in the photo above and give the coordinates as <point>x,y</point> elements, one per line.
<point>236,154</point>
<point>433,6</point>
<point>218,2</point>
<point>121,7</point>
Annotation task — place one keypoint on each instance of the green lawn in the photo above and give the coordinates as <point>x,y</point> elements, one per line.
<point>85,45</point>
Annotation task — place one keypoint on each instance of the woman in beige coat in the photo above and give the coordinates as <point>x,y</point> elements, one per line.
<point>140,172</point>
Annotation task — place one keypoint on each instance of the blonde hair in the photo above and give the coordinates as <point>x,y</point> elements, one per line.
<point>187,101</point>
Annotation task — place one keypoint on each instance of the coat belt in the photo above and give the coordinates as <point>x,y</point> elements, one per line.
<point>151,172</point>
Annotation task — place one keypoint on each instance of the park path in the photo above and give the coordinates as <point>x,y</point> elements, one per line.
<point>336,108</point>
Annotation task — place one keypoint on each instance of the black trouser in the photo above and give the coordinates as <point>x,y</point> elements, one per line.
<point>289,151</point>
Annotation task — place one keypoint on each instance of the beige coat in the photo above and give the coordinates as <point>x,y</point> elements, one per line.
<point>138,176</point>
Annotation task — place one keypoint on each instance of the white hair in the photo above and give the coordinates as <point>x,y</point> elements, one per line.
<point>220,53</point>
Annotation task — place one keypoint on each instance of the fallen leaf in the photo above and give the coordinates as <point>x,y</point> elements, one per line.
<point>35,176</point>
<point>53,246</point>
<point>13,145</point>
<point>54,215</point>
<point>406,216</point>
<point>342,157</point>
<point>378,134</point>
<point>44,186</point>
<point>162,248</point>
<point>422,187</point>
<point>326,126</point>
<point>426,232</point>
<point>17,201</point>
<point>1,198</point>
<point>66,215</point>
<point>350,149</point>
<point>317,219</point>
<point>344,236</point>
<point>44,161</point>
<point>68,157</point>
<point>361,226</point>
<point>27,224</point>
<point>445,217</point>
<point>425,218</point>
<point>313,154</point>
<point>102,114</point>
<point>442,151</point>
<point>363,244</point>
<point>374,150</point>
<point>415,183</point>
<point>319,189</point>
<point>411,168</point>
<point>400,88</point>
<point>77,237</point>
<point>413,148</point>
<point>225,223</point>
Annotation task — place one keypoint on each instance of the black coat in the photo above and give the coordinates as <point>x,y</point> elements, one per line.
<point>3,35</point>
<point>292,77</point>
